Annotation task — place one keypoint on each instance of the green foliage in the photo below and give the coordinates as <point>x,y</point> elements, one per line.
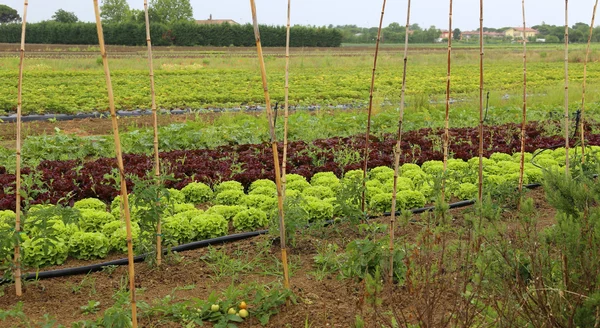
<point>410,199</point>
<point>94,220</point>
<point>65,17</point>
<point>118,238</point>
<point>262,183</point>
<point>298,185</point>
<point>115,11</point>
<point>180,208</point>
<point>230,197</point>
<point>317,209</point>
<point>88,245</point>
<point>176,196</point>
<point>39,252</point>
<point>250,220</point>
<point>197,193</point>
<point>366,256</point>
<point>266,191</point>
<point>90,204</point>
<point>320,192</point>
<point>381,203</point>
<point>8,14</point>
<point>7,216</point>
<point>267,204</point>
<point>325,179</point>
<point>209,226</point>
<point>178,229</point>
<point>226,211</point>
<point>171,11</point>
<point>229,185</point>
<point>466,191</point>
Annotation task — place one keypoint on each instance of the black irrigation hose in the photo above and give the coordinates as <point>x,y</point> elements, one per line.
<point>100,266</point>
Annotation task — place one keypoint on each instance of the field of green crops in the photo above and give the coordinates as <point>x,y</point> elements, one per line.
<point>70,82</point>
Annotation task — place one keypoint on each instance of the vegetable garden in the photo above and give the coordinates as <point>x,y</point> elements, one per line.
<point>300,218</point>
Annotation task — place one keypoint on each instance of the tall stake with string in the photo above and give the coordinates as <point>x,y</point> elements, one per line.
<point>119,155</point>
<point>370,108</point>
<point>587,56</point>
<point>17,258</point>
<point>480,194</point>
<point>286,100</point>
<point>155,125</point>
<point>567,86</point>
<point>447,115</point>
<point>524,120</point>
<point>398,149</point>
<point>263,72</point>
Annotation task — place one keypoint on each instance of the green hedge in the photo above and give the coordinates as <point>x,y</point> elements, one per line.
<point>179,34</point>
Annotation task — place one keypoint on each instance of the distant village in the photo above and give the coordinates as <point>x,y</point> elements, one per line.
<point>515,33</point>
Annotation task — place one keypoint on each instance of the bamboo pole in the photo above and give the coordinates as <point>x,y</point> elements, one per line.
<point>480,194</point>
<point>370,108</point>
<point>567,86</point>
<point>524,120</point>
<point>17,258</point>
<point>119,155</point>
<point>263,72</point>
<point>447,115</point>
<point>398,149</point>
<point>587,56</point>
<point>155,125</point>
<point>286,95</point>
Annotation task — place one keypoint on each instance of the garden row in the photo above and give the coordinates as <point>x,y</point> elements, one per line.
<point>72,180</point>
<point>91,229</point>
<point>197,85</point>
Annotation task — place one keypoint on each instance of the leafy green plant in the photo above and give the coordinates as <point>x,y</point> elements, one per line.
<point>197,193</point>
<point>250,220</point>
<point>226,211</point>
<point>90,204</point>
<point>93,220</point>
<point>88,245</point>
<point>209,226</point>
<point>91,308</point>
<point>229,197</point>
<point>317,210</point>
<point>229,185</point>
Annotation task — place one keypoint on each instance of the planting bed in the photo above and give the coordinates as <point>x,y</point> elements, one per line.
<point>321,299</point>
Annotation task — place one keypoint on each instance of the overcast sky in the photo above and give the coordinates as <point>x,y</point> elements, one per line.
<point>364,13</point>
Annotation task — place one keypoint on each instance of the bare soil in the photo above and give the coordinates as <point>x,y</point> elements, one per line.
<point>329,302</point>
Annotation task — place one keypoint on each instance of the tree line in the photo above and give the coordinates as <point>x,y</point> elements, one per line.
<point>172,23</point>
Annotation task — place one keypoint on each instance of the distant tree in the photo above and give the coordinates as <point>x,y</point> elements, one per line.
<point>8,15</point>
<point>456,34</point>
<point>171,11</point>
<point>576,36</point>
<point>552,39</point>
<point>63,16</point>
<point>115,11</point>
<point>138,15</point>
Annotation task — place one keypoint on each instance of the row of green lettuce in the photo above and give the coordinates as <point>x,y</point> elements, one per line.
<point>92,229</point>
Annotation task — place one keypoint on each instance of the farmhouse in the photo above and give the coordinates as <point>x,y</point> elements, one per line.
<point>211,21</point>
<point>517,32</point>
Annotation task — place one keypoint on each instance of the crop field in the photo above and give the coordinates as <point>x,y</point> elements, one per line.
<point>513,259</point>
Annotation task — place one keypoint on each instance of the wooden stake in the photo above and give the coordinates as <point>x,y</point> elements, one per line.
<point>567,86</point>
<point>398,149</point>
<point>587,56</point>
<point>524,120</point>
<point>370,108</point>
<point>286,105</point>
<point>480,195</point>
<point>263,72</point>
<point>124,198</point>
<point>155,124</point>
<point>17,258</point>
<point>447,117</point>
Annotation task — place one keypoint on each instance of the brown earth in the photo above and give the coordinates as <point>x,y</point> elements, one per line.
<point>329,302</point>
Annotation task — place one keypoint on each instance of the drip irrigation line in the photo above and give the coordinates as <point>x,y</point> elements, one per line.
<point>100,266</point>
